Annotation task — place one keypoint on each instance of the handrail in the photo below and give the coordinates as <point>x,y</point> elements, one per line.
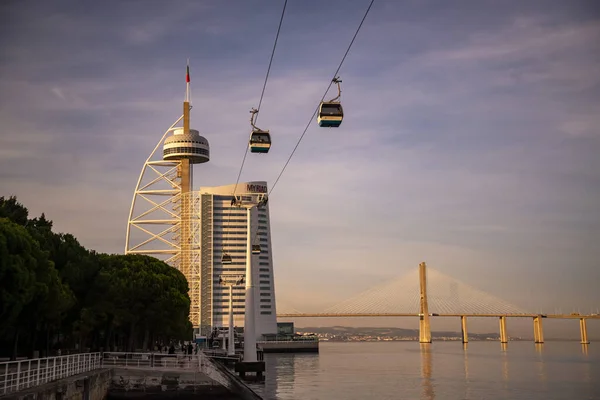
<point>23,374</point>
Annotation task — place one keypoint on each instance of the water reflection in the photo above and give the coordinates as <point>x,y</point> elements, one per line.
<point>466,366</point>
<point>584,349</point>
<point>504,356</point>
<point>541,366</point>
<point>426,369</point>
<point>283,368</point>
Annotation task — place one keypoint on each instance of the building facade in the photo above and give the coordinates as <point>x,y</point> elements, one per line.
<point>223,228</point>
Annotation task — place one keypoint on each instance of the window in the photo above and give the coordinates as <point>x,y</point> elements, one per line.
<point>265,294</point>
<point>264,263</point>
<point>265,306</point>
<point>265,312</point>
<point>227,313</point>
<point>226,301</point>
<point>265,288</point>
<point>265,282</point>
<point>265,300</point>
<point>263,257</point>
<point>264,270</point>
<point>263,276</point>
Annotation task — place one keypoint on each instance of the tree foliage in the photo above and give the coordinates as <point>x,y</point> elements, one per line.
<point>55,293</point>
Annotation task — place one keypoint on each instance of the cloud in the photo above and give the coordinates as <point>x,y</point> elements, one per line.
<point>470,136</point>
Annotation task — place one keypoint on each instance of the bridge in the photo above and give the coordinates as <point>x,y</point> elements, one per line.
<point>428,293</point>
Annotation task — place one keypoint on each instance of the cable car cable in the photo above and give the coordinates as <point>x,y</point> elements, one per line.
<point>262,94</point>
<point>334,80</point>
<point>325,94</point>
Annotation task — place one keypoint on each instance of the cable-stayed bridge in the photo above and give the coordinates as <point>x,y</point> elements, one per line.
<point>426,293</point>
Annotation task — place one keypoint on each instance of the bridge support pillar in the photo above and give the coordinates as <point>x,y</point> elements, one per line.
<point>538,329</point>
<point>463,326</point>
<point>583,328</point>
<point>424,327</point>
<point>503,335</point>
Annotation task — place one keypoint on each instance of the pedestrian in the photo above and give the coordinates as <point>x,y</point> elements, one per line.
<point>190,349</point>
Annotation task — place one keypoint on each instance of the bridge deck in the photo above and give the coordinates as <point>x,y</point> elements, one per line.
<point>350,315</point>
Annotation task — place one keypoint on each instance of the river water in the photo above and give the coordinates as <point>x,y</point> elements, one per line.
<point>441,370</point>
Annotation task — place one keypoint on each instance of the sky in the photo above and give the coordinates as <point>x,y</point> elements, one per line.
<point>471,134</point>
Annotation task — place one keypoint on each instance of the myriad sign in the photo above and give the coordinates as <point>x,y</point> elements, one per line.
<point>252,188</point>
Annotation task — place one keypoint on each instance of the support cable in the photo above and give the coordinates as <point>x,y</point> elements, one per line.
<point>324,94</point>
<point>262,94</point>
<point>334,80</point>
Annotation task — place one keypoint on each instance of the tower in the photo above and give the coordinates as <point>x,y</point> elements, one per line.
<point>164,214</point>
<point>424,327</point>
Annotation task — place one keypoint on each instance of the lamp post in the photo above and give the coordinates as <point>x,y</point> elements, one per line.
<point>231,281</point>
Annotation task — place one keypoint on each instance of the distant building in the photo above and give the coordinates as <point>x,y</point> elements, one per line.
<point>224,228</point>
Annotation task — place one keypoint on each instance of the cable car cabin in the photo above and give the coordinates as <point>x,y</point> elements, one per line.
<point>260,141</point>
<point>256,249</point>
<point>226,259</point>
<point>330,115</point>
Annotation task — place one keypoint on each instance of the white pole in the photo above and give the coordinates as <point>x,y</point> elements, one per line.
<point>231,350</point>
<point>249,328</point>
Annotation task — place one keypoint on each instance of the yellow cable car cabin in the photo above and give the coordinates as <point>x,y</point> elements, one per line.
<point>260,141</point>
<point>330,115</point>
<point>256,249</point>
<point>331,112</point>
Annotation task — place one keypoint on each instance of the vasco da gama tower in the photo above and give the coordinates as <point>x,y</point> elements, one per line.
<point>190,229</point>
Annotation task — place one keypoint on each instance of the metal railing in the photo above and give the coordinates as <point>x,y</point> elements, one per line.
<point>149,360</point>
<point>19,375</point>
<point>24,374</point>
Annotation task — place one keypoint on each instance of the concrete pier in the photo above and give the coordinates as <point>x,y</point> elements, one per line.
<point>503,335</point>
<point>583,328</point>
<point>538,329</point>
<point>463,327</point>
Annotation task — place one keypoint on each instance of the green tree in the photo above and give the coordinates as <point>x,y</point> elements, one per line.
<point>13,210</point>
<point>28,280</point>
<point>54,290</point>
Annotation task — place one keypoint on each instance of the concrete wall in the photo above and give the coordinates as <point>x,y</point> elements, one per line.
<point>91,385</point>
<point>299,346</point>
<point>130,382</point>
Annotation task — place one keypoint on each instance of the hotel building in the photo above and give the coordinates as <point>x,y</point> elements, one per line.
<point>224,229</point>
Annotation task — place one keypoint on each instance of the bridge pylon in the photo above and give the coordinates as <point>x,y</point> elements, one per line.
<point>424,326</point>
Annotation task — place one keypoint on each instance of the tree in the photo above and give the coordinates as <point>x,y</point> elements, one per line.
<point>148,299</point>
<point>13,210</point>
<point>54,290</point>
<point>31,290</point>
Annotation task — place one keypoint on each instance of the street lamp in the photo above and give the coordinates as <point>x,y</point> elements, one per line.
<point>231,281</point>
<point>249,201</point>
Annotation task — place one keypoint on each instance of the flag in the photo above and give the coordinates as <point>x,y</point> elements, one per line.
<point>187,75</point>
